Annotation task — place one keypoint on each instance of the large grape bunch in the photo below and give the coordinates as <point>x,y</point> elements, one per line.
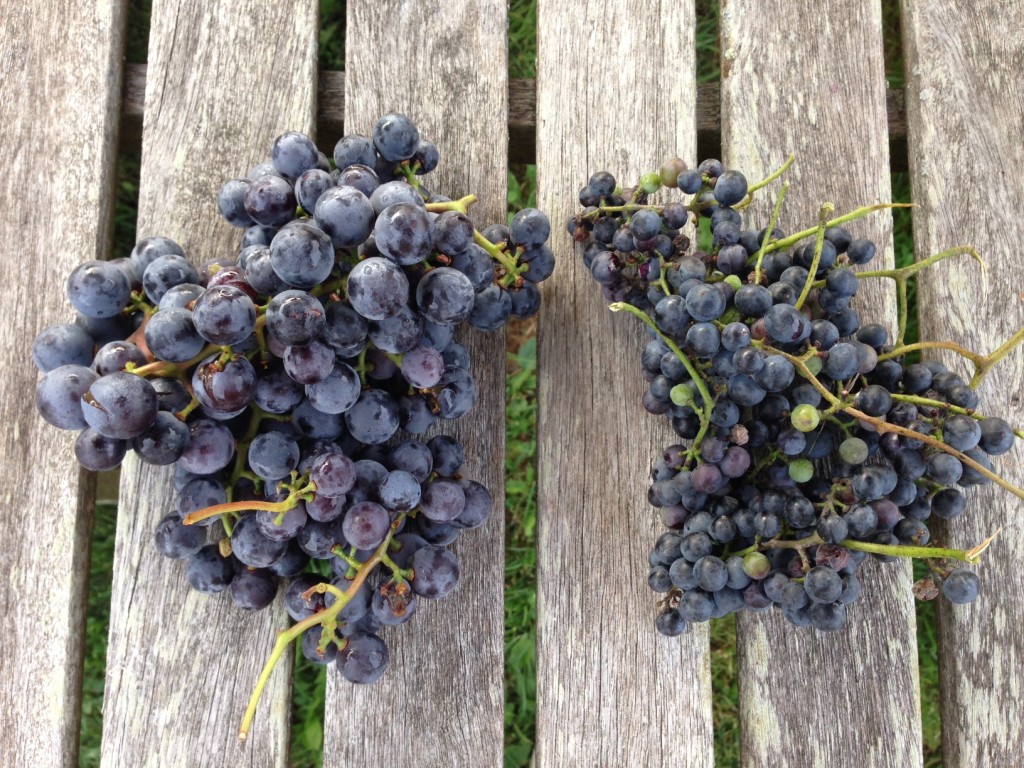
<point>290,382</point>
<point>809,440</point>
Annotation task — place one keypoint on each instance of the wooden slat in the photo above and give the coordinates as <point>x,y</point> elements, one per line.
<point>615,91</point>
<point>966,118</point>
<point>180,665</point>
<point>522,116</point>
<point>440,703</point>
<point>60,117</point>
<point>818,91</point>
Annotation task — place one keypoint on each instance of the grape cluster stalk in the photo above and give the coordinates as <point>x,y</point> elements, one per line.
<point>292,384</point>
<point>808,440</point>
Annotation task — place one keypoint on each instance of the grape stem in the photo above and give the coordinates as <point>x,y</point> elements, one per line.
<point>884,426</point>
<point>705,414</point>
<point>768,233</point>
<point>241,506</point>
<point>496,253</point>
<point>627,208</point>
<point>662,277</point>
<point>859,213</point>
<point>461,205</point>
<point>916,400</point>
<point>971,556</point>
<point>819,243</point>
<point>903,274</point>
<point>160,368</point>
<point>330,614</point>
<point>982,363</point>
<point>767,180</point>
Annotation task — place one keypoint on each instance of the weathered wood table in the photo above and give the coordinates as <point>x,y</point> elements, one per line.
<point>615,89</point>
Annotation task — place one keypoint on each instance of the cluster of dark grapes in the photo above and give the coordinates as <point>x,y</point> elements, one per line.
<point>277,381</point>
<point>759,362</point>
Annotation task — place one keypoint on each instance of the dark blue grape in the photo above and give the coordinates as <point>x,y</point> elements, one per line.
<point>176,540</point>
<point>529,228</point>
<point>270,201</point>
<point>98,453</point>
<point>345,215</point>
<point>363,659</point>
<point>208,572</point>
<point>293,154</point>
<point>302,255</point>
<point>395,137</point>
<point>404,233</point>
<point>163,441</point>
<point>59,395</point>
<point>960,586</point>
<point>377,288</point>
<point>120,405</point>
<point>373,419</point>
<point>354,149</point>
<point>253,589</point>
<point>58,345</point>
<point>224,315</point>
<point>98,289</point>
<point>295,318</point>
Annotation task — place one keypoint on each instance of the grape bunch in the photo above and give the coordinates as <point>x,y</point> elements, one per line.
<point>810,440</point>
<point>291,384</point>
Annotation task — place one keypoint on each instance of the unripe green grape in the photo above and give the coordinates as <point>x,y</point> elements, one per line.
<point>801,470</point>
<point>853,450</point>
<point>814,365</point>
<point>650,183</point>
<point>734,281</point>
<point>669,171</point>
<point>805,417</point>
<point>756,565</point>
<point>681,394</point>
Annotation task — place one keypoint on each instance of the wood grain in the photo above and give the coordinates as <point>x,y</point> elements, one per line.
<point>57,193</point>
<point>615,91</point>
<point>810,698</point>
<point>440,703</point>
<point>965,107</point>
<point>181,665</point>
<point>522,116</point>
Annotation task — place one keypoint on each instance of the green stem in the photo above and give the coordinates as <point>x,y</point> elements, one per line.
<point>902,310</point>
<point>285,638</point>
<point>350,560</point>
<point>917,266</point>
<point>884,426</point>
<point>768,233</point>
<point>160,368</point>
<point>786,242</point>
<point>950,345</point>
<point>461,205</point>
<point>662,280</point>
<point>926,401</point>
<point>705,414</point>
<point>772,177</point>
<point>995,356</point>
<point>185,412</point>
<point>397,572</point>
<point>497,254</point>
<point>627,208</point>
<point>826,209</point>
<point>242,506</point>
<point>901,550</point>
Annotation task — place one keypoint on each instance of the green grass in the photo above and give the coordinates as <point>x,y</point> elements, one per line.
<point>520,484</point>
<point>97,621</point>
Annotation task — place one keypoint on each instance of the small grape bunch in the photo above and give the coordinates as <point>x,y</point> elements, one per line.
<point>290,383</point>
<point>810,440</point>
